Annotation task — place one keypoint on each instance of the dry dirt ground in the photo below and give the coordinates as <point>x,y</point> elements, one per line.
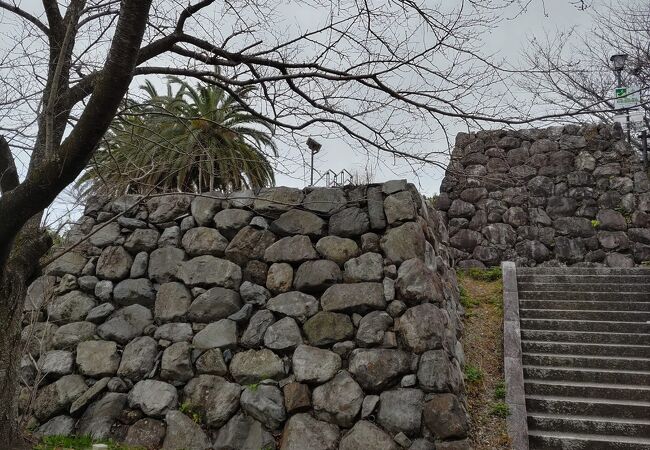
<point>482,296</point>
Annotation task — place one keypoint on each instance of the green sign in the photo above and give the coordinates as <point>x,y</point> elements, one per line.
<point>626,97</point>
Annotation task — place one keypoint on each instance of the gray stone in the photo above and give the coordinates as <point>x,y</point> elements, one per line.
<point>104,290</point>
<point>378,369</point>
<point>367,267</point>
<point>125,324</point>
<point>204,208</point>
<point>264,403</point>
<point>220,334</point>
<point>114,263</point>
<point>211,362</point>
<point>293,249</point>
<point>303,432</point>
<point>243,314</point>
<point>129,292</point>
<point>325,200</point>
<point>183,433</point>
<point>399,207</point>
<point>130,223</point>
<point>444,417</point>
<point>585,161</point>
<point>294,304</point>
<point>207,271</point>
<point>170,237</point>
<point>241,199</point>
<point>314,365</point>
<point>260,222</point>
<point>67,336</point>
<point>97,358</point>
<point>138,358</point>
<point>204,241</point>
<point>500,234</point>
<point>326,328</point>
<point>400,410</point>
<point>354,297</point>
<point>37,337</point>
<point>436,373</point>
<point>370,243</point>
<point>349,222</point>
<point>422,328</point>
<point>283,335</point>
<point>639,235</point>
<point>153,397</point>
<point>142,240</point>
<point>244,433</point>
<point>296,221</point>
<point>146,433</point>
<point>316,276</point>
<point>249,243</point>
<point>372,328</point>
<point>253,366</point>
<point>56,398</point>
<point>416,283</point>
<point>276,200</point>
<point>376,208</point>
<point>473,195</point>
<point>41,292</point>
<point>369,404</point>
<point>213,398</point>
<point>57,426</point>
<point>140,265</point>
<point>176,364</point>
<point>618,260</point>
<point>338,401</point>
<point>279,277</point>
<point>164,264</point>
<point>367,436</point>
<point>100,417</point>
<point>70,307</point>
<point>174,332</point>
<point>460,208</point>
<point>403,242</point>
<point>89,395</point>
<point>560,207</point>
<point>214,304</point>
<point>68,283</point>
<point>337,249</point>
<point>253,336</point>
<point>230,221</point>
<point>466,239</point>
<point>168,208</point>
<point>56,363</point>
<point>613,240</point>
<point>70,262</point>
<point>254,293</point>
<point>172,302</point>
<point>611,220</point>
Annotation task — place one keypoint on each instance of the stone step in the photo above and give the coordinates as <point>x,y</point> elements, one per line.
<point>587,362</point>
<point>590,425</point>
<point>563,388</point>
<point>585,279</point>
<point>582,348</point>
<point>585,305</point>
<point>577,314</point>
<point>584,287</point>
<point>587,407</point>
<point>548,440</point>
<point>586,337</point>
<point>585,295</point>
<point>582,271</point>
<point>584,325</point>
<point>559,373</point>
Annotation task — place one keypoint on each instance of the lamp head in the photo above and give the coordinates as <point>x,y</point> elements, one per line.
<point>313,145</point>
<point>618,61</point>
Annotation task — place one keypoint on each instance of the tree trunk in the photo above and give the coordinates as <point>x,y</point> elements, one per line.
<point>12,294</point>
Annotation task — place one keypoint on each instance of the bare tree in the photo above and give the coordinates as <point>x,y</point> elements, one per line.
<point>388,75</point>
<point>572,70</point>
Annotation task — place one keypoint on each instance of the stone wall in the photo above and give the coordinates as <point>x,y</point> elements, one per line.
<point>563,195</point>
<point>315,319</point>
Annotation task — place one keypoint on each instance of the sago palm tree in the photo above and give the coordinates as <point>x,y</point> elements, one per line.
<point>194,140</point>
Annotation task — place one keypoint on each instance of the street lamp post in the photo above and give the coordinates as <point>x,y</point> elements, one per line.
<point>314,147</point>
<point>618,63</point>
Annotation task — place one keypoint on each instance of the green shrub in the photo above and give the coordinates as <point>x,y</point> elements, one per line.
<point>500,409</point>
<point>491,274</point>
<point>595,223</point>
<point>78,443</point>
<point>473,374</point>
<point>500,391</point>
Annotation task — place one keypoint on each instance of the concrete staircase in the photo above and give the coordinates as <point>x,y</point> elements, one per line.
<point>585,341</point>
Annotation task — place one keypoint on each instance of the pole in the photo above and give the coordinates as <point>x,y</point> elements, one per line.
<point>644,142</point>
<point>312,168</point>
<point>627,122</point>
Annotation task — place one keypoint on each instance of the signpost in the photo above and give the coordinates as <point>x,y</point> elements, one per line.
<point>627,97</point>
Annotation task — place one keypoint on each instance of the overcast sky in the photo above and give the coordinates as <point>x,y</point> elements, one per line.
<point>507,40</point>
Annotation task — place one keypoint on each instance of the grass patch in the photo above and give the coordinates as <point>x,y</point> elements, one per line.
<point>473,374</point>
<point>500,409</point>
<point>78,443</point>
<point>186,408</point>
<point>482,297</point>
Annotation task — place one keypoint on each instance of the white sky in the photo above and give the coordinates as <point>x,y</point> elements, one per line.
<point>506,41</point>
